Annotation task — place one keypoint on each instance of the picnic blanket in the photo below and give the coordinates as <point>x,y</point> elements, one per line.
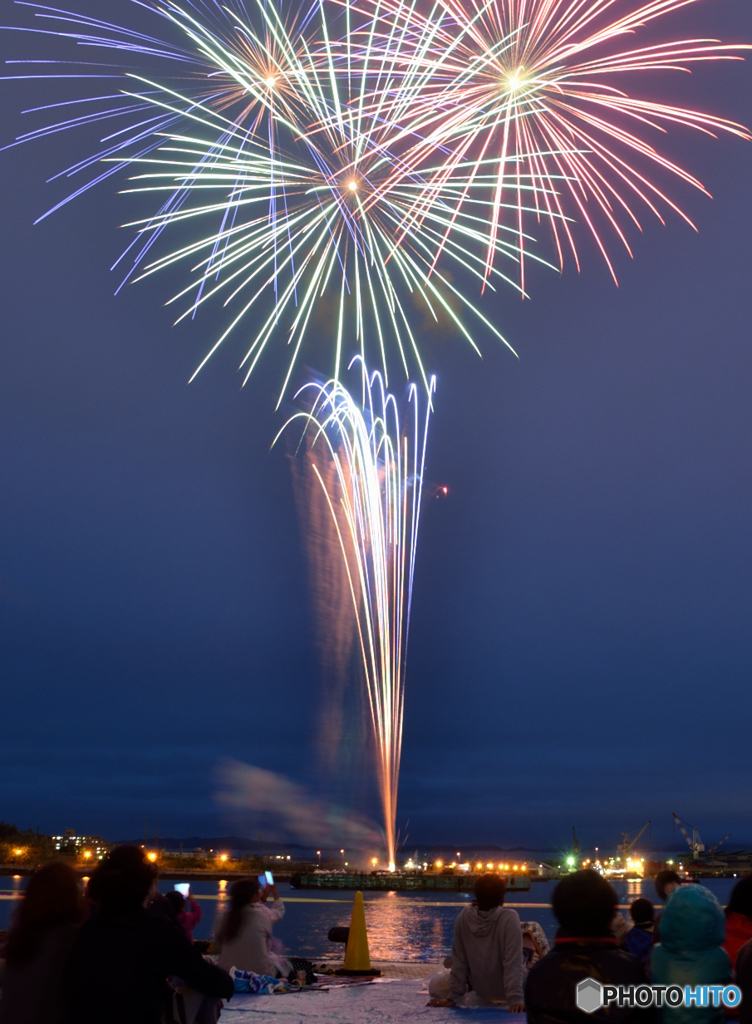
<point>385,1001</point>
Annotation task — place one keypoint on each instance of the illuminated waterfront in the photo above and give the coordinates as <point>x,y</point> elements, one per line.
<point>401,926</point>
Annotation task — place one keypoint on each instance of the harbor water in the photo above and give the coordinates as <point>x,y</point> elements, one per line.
<point>401,926</point>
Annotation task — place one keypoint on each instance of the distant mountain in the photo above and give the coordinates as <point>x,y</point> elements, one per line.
<point>221,843</point>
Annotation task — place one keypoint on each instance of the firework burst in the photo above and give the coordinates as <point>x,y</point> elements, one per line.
<point>544,82</point>
<point>241,61</point>
<point>260,142</point>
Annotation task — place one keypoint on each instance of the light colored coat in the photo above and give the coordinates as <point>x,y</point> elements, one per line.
<point>250,950</point>
<point>487,955</point>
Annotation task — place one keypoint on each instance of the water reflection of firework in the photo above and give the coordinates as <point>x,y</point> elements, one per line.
<point>375,507</point>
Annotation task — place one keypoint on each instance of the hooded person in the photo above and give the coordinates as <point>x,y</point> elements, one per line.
<point>693,929</point>
<point>487,950</point>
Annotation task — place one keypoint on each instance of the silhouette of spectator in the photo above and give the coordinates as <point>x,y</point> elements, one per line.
<point>665,883</point>
<point>187,911</point>
<point>739,917</point>
<point>123,956</point>
<point>639,940</point>
<point>583,904</point>
<point>190,916</point>
<point>744,981</point>
<point>39,945</point>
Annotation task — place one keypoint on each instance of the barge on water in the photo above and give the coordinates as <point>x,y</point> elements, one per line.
<point>397,881</point>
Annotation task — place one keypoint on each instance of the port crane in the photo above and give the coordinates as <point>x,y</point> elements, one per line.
<point>694,843</point>
<point>720,842</point>
<point>626,845</point>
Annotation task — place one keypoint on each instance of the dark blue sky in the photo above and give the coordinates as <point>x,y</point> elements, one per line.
<point>582,638</point>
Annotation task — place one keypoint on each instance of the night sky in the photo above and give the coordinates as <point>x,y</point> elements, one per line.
<point>581,637</point>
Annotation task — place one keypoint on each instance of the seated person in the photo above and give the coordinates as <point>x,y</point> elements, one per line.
<point>190,916</point>
<point>123,956</point>
<point>583,904</point>
<point>487,950</point>
<point>187,911</point>
<point>639,940</point>
<point>39,944</point>
<point>243,932</point>
<point>693,929</point>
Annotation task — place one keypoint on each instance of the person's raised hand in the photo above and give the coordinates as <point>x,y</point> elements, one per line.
<point>516,1008</point>
<point>441,1002</point>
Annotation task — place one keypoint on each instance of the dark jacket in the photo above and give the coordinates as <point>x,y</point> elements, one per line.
<point>32,988</point>
<point>551,983</point>
<point>118,969</point>
<point>639,942</point>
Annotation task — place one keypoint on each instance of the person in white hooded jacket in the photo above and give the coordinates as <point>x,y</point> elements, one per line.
<point>487,950</point>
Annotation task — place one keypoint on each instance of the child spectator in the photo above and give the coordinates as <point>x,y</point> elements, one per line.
<point>639,940</point>
<point>487,950</point>
<point>583,904</point>
<point>739,918</point>
<point>689,951</point>
<point>187,911</point>
<point>190,916</point>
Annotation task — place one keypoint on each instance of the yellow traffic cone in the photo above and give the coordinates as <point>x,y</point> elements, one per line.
<point>357,957</point>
